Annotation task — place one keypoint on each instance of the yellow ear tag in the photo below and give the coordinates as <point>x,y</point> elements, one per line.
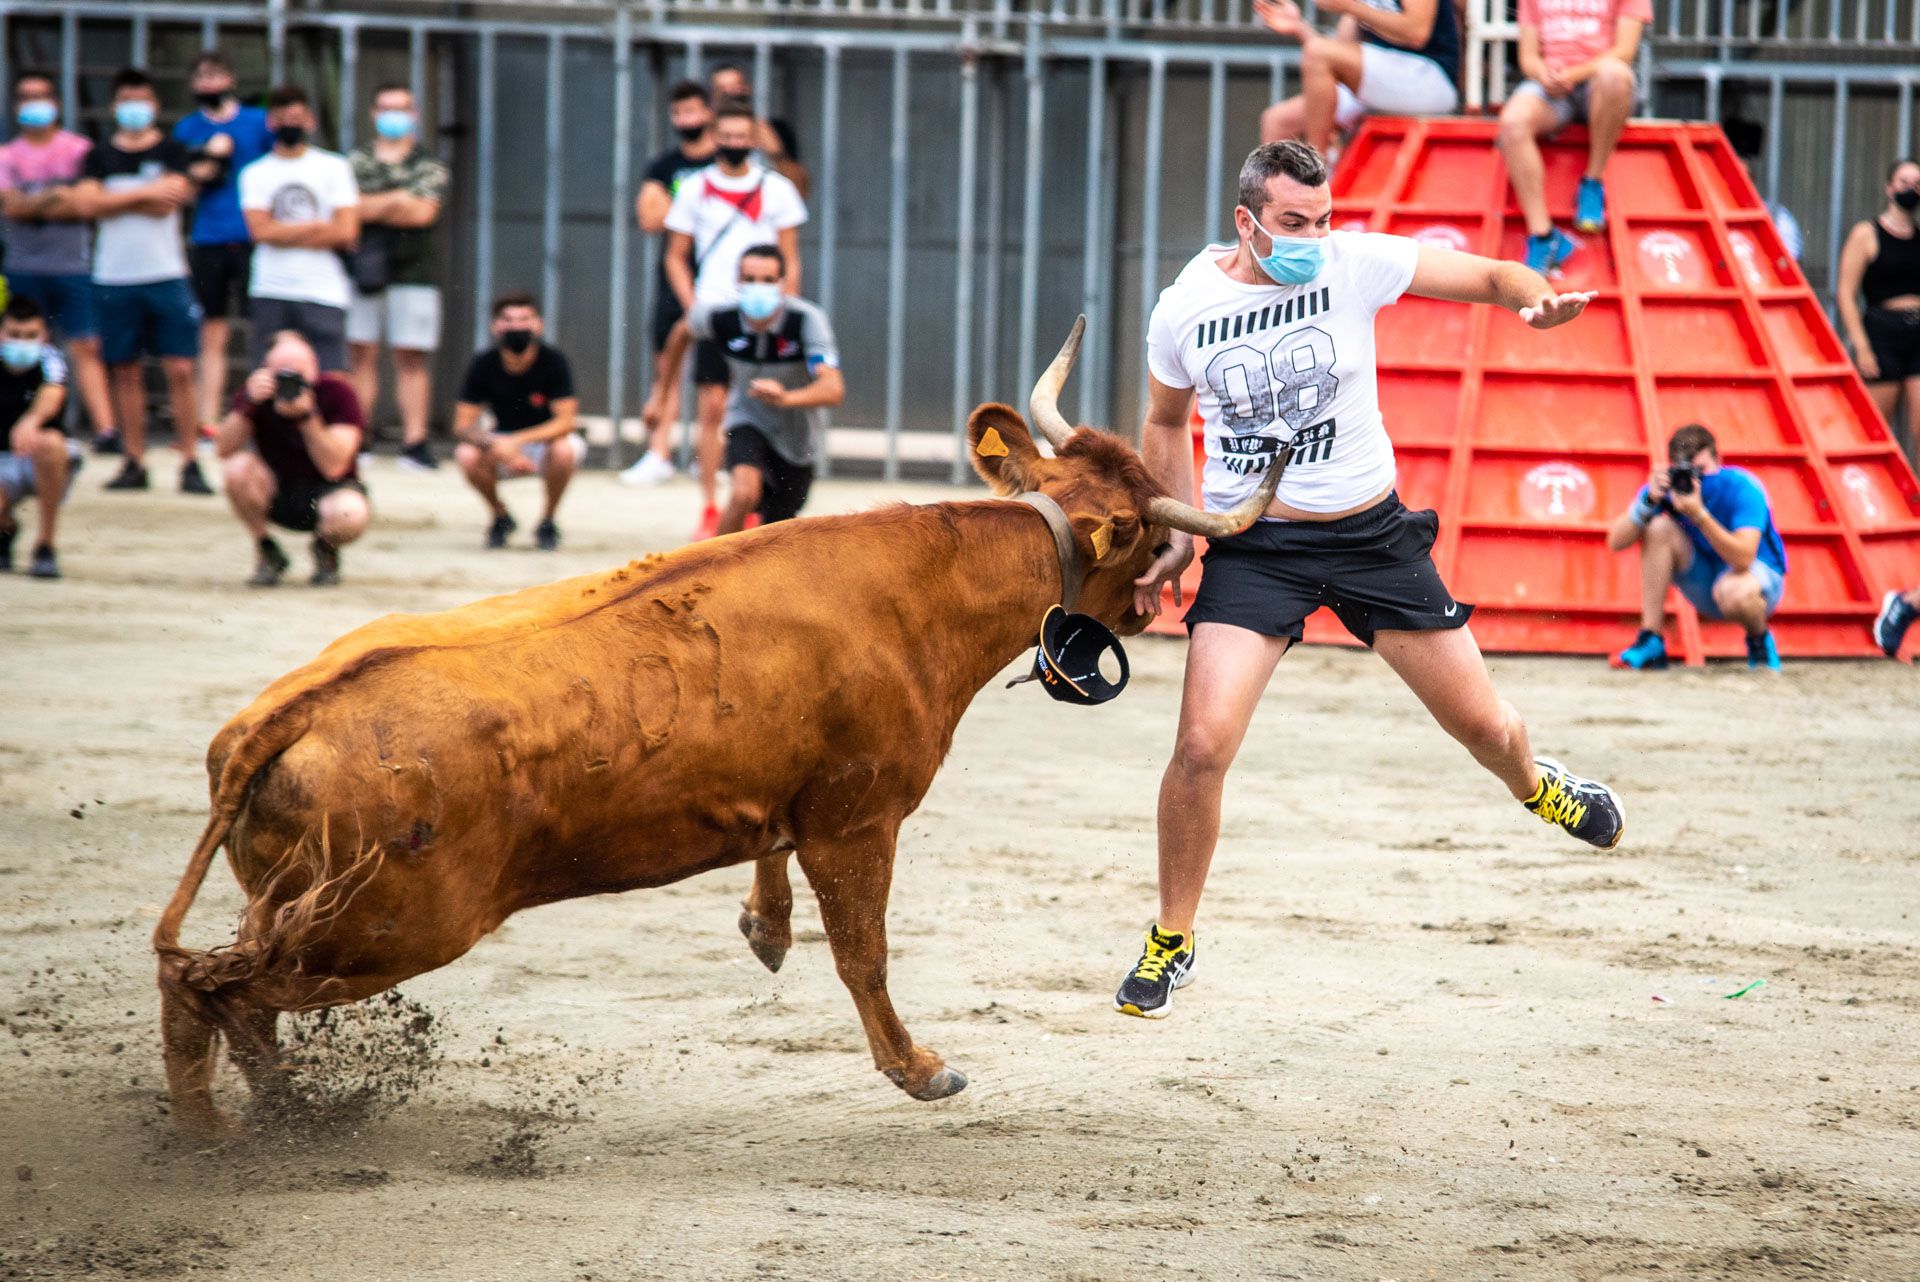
<point>990,444</point>
<point>1102,541</point>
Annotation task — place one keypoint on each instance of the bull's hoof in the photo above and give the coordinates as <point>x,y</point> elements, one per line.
<point>947,1081</point>
<point>770,953</point>
<point>204,1123</point>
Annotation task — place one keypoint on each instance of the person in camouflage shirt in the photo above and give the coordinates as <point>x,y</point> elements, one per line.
<point>403,188</point>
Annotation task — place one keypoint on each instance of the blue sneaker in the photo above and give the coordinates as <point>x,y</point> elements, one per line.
<point>1763,653</point>
<point>1544,253</point>
<point>1896,616</point>
<point>1590,207</point>
<point>1647,653</point>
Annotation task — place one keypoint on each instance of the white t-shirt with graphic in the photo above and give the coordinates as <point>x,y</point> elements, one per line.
<point>728,216</point>
<point>1278,364</point>
<point>299,189</point>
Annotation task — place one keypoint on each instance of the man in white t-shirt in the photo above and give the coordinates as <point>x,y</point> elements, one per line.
<point>302,208</point>
<point>1275,336</point>
<point>716,216</point>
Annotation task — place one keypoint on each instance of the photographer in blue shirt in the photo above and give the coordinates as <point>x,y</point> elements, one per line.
<point>1707,529</point>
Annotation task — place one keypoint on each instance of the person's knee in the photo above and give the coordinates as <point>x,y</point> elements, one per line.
<point>563,457</point>
<point>472,461</point>
<point>1203,751</point>
<point>1612,78</point>
<point>89,347</point>
<point>1491,732</point>
<point>343,517</point>
<point>1738,592</point>
<point>49,450</point>
<point>1517,127</point>
<point>241,472</point>
<point>744,490</point>
<point>1663,531</point>
<point>363,354</point>
<point>1281,121</point>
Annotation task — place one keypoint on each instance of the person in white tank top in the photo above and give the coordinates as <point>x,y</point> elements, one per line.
<point>1274,336</point>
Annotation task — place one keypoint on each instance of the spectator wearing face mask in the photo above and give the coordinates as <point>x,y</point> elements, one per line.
<point>692,119</point>
<point>134,186</point>
<point>48,249</point>
<point>302,208</point>
<point>36,458</point>
<point>402,189</point>
<point>291,445</point>
<point>1881,260</point>
<point>527,387</point>
<point>718,214</point>
<point>225,137</point>
<point>775,139</point>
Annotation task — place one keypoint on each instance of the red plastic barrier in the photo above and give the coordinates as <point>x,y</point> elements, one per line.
<point>1528,443</point>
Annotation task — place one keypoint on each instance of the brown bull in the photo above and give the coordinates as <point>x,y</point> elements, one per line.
<point>792,688</point>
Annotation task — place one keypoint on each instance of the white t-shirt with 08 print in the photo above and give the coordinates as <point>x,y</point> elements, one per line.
<point>1286,364</point>
<point>726,217</point>
<point>307,188</point>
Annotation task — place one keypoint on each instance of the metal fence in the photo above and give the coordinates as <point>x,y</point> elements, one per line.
<point>981,170</point>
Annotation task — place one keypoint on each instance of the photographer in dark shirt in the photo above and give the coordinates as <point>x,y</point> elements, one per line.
<point>304,430</point>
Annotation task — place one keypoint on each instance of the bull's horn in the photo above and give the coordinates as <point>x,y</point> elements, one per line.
<point>1214,525</point>
<point>1045,401</point>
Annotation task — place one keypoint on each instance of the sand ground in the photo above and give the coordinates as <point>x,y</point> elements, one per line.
<point>1423,1042</point>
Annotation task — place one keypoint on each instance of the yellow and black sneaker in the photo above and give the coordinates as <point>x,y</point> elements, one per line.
<point>1586,808</point>
<point>1165,964</point>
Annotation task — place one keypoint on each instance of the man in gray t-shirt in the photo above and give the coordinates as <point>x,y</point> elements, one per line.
<point>782,364</point>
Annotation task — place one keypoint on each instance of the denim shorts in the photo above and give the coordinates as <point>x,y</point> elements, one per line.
<point>159,318</point>
<point>18,482</point>
<point>67,301</point>
<point>1697,580</point>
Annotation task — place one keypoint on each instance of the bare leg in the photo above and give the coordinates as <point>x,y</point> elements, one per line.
<point>1738,597</point>
<point>1227,670</point>
<point>1284,120</point>
<point>250,488</point>
<point>1886,399</point>
<point>667,375</point>
<point>1609,103</point>
<point>90,376</point>
<point>1664,555</point>
<point>851,876</point>
<point>413,389</point>
<point>364,373</point>
<point>214,333</point>
<point>1912,393</point>
<point>1445,670</point>
<point>1325,64</point>
<point>479,471</point>
<point>711,448</point>
<point>130,398</point>
<point>563,458</point>
<point>1523,122</point>
<point>343,517</point>
<point>743,496</point>
<point>49,481</point>
<point>182,399</point>
<point>766,914</point>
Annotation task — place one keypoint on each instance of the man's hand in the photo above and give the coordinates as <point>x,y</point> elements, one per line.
<point>506,451</point>
<point>1688,505</point>
<point>219,145</point>
<point>175,189</point>
<point>1554,82</point>
<point>1556,309</point>
<point>769,390</point>
<point>1167,567</point>
<point>21,439</point>
<point>1659,484</point>
<point>1282,17</point>
<point>296,409</point>
<point>259,386</point>
<point>766,140</point>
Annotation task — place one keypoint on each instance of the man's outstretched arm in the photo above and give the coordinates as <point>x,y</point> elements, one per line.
<point>1468,278</point>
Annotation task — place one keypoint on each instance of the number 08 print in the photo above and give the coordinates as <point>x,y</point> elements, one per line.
<point>1292,380</point>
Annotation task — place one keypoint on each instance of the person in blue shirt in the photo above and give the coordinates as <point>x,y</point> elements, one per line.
<point>1707,529</point>
<point>225,137</point>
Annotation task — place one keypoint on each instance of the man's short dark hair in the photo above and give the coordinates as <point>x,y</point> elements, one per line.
<point>1894,168</point>
<point>686,89</point>
<point>31,73</point>
<point>132,78</point>
<point>515,298</point>
<point>734,67</point>
<point>767,251</point>
<point>1295,160</point>
<point>1689,441</point>
<point>209,60</point>
<point>391,86</point>
<point>734,109</point>
<point>287,96</point>
<point>22,308</point>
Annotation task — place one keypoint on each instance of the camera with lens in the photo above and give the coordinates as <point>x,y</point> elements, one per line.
<point>288,385</point>
<point>1682,477</point>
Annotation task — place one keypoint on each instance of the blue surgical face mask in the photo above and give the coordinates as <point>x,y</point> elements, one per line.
<point>759,300</point>
<point>133,115</point>
<point>37,113</point>
<point>21,354</point>
<point>1295,260</point>
<point>393,124</point>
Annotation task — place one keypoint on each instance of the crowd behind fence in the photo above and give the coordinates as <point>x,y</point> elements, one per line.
<point>983,171</point>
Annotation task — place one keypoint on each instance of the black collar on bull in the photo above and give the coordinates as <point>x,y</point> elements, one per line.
<point>1066,662</point>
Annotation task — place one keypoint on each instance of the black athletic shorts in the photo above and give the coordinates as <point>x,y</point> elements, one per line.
<point>220,275</point>
<point>1373,569</point>
<point>1895,339</point>
<point>297,507</point>
<point>710,364</point>
<point>783,485</point>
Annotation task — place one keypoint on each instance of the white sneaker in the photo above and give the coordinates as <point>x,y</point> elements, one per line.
<point>652,469</point>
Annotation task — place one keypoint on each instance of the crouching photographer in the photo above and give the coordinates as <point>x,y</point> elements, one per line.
<point>290,443</point>
<point>1707,529</point>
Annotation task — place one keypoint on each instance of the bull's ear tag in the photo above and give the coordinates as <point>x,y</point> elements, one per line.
<point>991,446</point>
<point>1102,541</point>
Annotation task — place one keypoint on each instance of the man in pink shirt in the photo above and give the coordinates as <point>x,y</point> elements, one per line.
<point>1577,56</point>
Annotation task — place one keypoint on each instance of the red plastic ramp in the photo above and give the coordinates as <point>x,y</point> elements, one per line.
<point>1528,443</point>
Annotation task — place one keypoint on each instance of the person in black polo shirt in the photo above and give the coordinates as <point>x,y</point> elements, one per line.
<point>528,388</point>
<point>304,428</point>
<point>36,458</point>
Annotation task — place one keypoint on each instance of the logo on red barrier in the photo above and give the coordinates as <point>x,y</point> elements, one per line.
<point>1557,492</point>
<point>1669,259</point>
<point>1749,255</point>
<point>1442,236</point>
<point>1859,483</point>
